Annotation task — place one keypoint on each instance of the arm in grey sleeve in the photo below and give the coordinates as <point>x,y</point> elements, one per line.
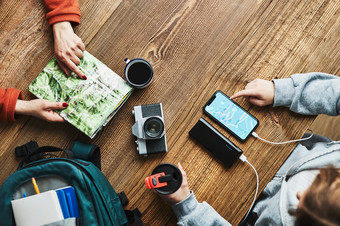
<point>191,212</point>
<point>310,94</point>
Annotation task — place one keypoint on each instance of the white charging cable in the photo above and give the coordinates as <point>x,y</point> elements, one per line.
<point>244,159</point>
<point>284,142</point>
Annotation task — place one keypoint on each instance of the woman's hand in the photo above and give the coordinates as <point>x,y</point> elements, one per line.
<point>68,48</point>
<point>40,108</point>
<point>182,193</point>
<point>259,92</point>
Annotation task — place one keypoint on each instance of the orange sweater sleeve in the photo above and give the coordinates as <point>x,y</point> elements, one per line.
<point>8,100</point>
<point>62,10</point>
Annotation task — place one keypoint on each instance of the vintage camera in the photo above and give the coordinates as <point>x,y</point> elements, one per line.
<point>149,129</point>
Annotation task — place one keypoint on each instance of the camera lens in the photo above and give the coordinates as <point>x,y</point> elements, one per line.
<point>153,127</point>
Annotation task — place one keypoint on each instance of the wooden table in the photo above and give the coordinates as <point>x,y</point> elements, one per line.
<point>195,47</point>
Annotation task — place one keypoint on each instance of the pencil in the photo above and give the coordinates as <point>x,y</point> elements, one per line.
<point>35,185</point>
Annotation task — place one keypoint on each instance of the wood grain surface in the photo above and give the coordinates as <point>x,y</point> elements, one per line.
<point>195,47</point>
<point>327,126</point>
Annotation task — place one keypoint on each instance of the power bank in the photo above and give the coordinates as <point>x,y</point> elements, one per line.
<point>225,150</point>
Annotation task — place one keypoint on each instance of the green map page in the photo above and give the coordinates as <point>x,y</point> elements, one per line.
<point>92,102</point>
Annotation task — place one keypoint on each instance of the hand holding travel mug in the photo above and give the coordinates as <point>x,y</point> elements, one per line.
<point>138,72</point>
<point>179,192</point>
<point>166,179</point>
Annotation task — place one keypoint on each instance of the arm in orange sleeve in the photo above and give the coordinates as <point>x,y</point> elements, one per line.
<point>8,100</point>
<point>62,10</point>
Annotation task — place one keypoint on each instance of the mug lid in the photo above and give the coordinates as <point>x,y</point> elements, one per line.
<point>175,182</point>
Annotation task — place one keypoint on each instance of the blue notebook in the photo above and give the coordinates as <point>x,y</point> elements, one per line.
<point>63,203</point>
<point>68,202</point>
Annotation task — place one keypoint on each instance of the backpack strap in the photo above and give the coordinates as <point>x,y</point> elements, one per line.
<point>42,152</point>
<point>26,149</point>
<point>134,216</point>
<point>87,152</point>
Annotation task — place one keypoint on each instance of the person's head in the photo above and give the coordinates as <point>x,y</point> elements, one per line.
<point>320,203</point>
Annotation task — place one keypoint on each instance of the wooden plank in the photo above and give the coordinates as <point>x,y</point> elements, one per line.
<point>327,126</point>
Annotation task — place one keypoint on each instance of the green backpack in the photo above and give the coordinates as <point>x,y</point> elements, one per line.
<point>98,203</point>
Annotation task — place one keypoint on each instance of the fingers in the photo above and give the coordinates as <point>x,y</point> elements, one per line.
<point>72,59</point>
<point>244,93</point>
<point>181,169</point>
<point>78,53</point>
<point>184,175</point>
<point>256,101</point>
<point>68,48</point>
<point>259,92</point>
<point>81,45</point>
<point>253,97</point>
<point>53,117</point>
<point>44,109</point>
<point>69,61</point>
<point>56,105</point>
<point>251,84</point>
<point>63,67</point>
<point>73,67</point>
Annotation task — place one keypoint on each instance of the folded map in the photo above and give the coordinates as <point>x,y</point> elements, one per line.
<point>92,102</point>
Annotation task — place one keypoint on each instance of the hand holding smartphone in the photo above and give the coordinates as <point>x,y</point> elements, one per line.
<point>230,116</point>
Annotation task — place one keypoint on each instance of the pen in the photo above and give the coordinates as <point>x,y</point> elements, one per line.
<point>35,185</point>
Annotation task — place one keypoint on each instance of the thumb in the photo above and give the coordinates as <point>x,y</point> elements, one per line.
<point>256,101</point>
<point>180,168</point>
<point>184,174</point>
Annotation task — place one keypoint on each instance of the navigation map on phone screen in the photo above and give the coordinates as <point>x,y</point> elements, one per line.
<point>231,116</point>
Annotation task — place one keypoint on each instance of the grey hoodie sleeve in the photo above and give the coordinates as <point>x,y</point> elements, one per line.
<point>310,94</point>
<point>191,212</point>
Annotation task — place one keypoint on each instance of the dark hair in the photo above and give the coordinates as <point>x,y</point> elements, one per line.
<point>321,202</point>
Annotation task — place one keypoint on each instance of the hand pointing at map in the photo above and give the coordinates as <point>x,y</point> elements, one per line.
<point>259,92</point>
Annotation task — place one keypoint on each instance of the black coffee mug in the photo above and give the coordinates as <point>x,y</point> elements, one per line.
<point>175,175</point>
<point>138,72</point>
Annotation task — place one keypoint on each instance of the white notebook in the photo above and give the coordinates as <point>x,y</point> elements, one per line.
<point>39,209</point>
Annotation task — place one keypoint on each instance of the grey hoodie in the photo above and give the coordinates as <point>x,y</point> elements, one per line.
<point>310,94</point>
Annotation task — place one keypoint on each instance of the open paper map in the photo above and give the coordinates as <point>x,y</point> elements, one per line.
<point>92,102</point>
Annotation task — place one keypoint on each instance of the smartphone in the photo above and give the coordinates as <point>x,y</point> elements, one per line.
<point>220,146</point>
<point>230,116</point>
